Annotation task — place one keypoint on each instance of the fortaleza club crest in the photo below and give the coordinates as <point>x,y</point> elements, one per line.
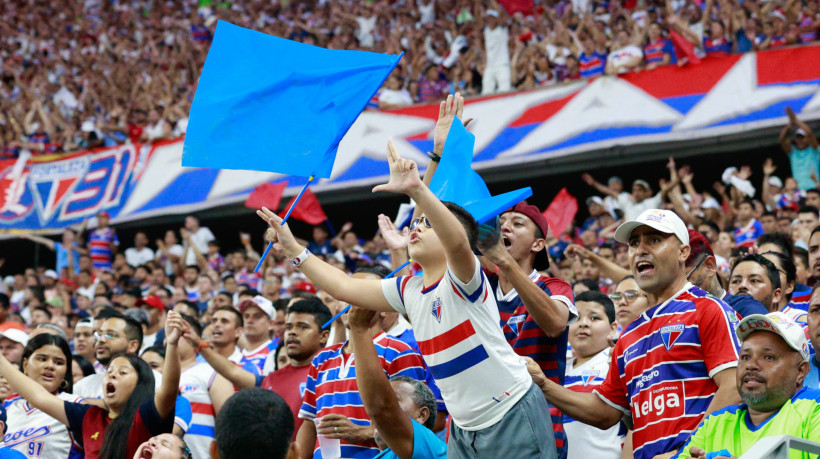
<point>587,376</point>
<point>515,323</point>
<point>670,334</point>
<point>437,309</point>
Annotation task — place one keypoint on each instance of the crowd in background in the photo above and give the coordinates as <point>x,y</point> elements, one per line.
<point>85,74</point>
<point>754,243</point>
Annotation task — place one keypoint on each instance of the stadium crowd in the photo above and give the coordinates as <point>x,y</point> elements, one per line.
<point>91,73</point>
<point>668,322</point>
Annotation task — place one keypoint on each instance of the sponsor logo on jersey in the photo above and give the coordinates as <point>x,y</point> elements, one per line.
<point>515,323</point>
<point>670,334</point>
<point>666,401</point>
<point>437,309</point>
<point>647,378</point>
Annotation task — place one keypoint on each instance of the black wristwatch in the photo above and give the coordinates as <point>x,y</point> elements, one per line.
<point>433,157</point>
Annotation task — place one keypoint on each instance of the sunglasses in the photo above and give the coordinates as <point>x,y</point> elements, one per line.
<point>418,221</point>
<point>630,296</point>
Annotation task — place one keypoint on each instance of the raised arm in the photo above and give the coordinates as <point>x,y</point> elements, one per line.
<point>40,240</point>
<point>589,180</point>
<point>377,395</point>
<point>397,242</point>
<point>366,293</point>
<point>166,396</point>
<point>550,315</point>
<point>227,369</point>
<point>404,178</point>
<point>608,269</point>
<point>583,406</point>
<point>34,393</point>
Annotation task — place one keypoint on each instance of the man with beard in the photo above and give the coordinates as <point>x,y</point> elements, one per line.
<point>774,362</point>
<point>221,351</point>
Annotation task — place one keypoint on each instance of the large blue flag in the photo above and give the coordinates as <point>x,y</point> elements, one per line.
<point>268,104</point>
<point>456,181</point>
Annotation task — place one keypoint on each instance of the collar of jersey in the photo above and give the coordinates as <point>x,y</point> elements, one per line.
<point>656,309</point>
<point>512,293</point>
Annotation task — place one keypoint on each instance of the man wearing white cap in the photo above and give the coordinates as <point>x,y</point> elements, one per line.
<point>675,362</point>
<point>774,361</point>
<point>258,315</point>
<point>12,343</point>
<point>799,142</point>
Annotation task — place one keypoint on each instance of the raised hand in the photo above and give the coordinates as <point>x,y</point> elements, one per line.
<point>360,319</point>
<point>395,239</point>
<point>588,179</point>
<point>769,167</point>
<point>404,174</point>
<point>448,110</point>
<point>173,328</point>
<point>576,251</point>
<point>280,234</point>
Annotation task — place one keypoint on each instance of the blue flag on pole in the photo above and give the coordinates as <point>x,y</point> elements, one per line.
<point>265,103</point>
<point>456,181</point>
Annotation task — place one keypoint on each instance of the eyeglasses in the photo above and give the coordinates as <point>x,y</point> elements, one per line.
<point>630,296</point>
<point>107,335</point>
<point>417,221</point>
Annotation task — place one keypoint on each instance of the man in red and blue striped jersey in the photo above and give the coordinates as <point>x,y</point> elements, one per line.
<point>102,242</point>
<point>534,309</point>
<point>676,362</point>
<point>331,404</point>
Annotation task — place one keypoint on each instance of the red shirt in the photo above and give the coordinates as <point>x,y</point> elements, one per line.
<point>87,425</point>
<point>289,382</point>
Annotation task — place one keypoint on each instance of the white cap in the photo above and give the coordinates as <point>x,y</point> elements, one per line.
<point>800,131</point>
<point>52,274</point>
<point>492,13</point>
<point>710,203</point>
<point>16,335</point>
<point>664,221</point>
<point>776,322</point>
<point>262,303</point>
<point>596,200</point>
<point>775,181</point>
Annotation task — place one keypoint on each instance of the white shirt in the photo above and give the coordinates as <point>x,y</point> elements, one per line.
<point>395,97</point>
<point>479,353</point>
<point>620,57</point>
<point>200,238</point>
<point>633,209</point>
<point>195,384</point>
<point>496,46</point>
<point>585,441</point>
<point>138,257</point>
<point>365,32</point>
<point>31,430</point>
<point>427,12</point>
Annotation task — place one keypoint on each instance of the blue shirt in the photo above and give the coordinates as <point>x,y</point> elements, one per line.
<point>426,445</point>
<point>62,258</point>
<point>812,380</point>
<point>803,163</point>
<point>745,305</point>
<point>9,453</point>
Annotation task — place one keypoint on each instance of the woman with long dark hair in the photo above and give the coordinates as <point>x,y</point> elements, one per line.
<point>46,359</point>
<point>129,412</point>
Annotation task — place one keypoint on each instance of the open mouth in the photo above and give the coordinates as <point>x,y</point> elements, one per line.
<point>507,242</point>
<point>644,267</point>
<point>753,380</point>
<point>47,377</point>
<point>110,390</point>
<point>146,453</point>
<point>414,237</point>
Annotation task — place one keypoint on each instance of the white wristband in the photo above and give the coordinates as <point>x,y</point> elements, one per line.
<point>299,259</point>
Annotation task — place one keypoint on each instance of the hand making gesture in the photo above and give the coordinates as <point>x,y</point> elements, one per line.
<point>404,174</point>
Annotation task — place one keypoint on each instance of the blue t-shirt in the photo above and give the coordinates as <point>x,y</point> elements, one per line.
<point>9,453</point>
<point>803,163</point>
<point>425,445</point>
<point>745,305</point>
<point>812,380</point>
<point>62,258</point>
